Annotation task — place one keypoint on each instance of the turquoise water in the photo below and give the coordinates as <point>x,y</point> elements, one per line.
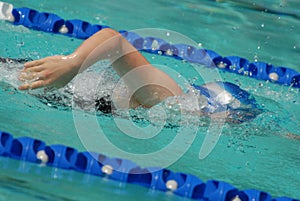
<point>260,154</point>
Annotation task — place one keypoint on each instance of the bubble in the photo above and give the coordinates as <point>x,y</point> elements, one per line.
<point>154,45</point>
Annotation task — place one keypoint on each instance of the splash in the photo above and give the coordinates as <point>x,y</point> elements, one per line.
<point>99,81</point>
<point>10,70</point>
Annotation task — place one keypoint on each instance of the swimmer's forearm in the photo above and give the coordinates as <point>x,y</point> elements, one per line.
<point>108,44</point>
<point>105,44</point>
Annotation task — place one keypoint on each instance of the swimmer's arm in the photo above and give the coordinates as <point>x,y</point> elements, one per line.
<point>149,84</point>
<point>153,85</point>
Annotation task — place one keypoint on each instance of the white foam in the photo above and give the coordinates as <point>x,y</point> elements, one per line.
<point>10,72</point>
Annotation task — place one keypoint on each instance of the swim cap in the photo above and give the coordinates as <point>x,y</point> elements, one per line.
<point>223,96</point>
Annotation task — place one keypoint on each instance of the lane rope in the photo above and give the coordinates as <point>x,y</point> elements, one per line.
<point>122,170</point>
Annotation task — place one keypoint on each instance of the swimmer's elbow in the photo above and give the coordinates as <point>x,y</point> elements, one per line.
<point>109,32</point>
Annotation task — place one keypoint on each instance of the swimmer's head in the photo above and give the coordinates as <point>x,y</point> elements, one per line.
<point>225,96</point>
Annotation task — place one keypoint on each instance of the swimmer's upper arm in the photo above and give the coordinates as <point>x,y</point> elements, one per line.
<point>148,85</point>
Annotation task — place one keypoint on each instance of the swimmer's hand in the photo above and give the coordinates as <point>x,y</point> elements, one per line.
<point>53,72</point>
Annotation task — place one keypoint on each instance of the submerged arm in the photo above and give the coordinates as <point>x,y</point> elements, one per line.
<point>149,85</point>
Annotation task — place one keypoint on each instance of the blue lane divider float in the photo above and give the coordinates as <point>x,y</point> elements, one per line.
<point>122,170</point>
<point>80,29</point>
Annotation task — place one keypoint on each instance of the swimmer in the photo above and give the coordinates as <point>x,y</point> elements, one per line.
<point>153,85</point>
<point>57,71</point>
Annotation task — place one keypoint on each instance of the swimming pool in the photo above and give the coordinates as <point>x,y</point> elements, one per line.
<point>258,154</point>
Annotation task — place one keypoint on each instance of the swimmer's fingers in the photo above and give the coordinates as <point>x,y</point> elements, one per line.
<point>33,85</point>
<point>30,76</point>
<point>34,63</point>
<point>34,69</point>
<point>26,76</point>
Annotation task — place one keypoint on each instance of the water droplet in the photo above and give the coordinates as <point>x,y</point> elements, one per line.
<point>232,67</point>
<point>235,28</point>
<point>181,53</point>
<point>155,45</point>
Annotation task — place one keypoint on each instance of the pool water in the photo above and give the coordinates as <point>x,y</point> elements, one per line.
<point>263,154</point>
